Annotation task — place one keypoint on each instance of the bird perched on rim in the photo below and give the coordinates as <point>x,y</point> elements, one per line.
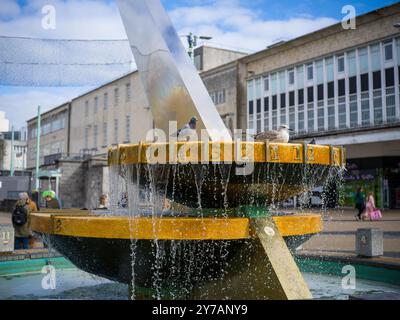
<point>280,135</point>
<point>187,131</point>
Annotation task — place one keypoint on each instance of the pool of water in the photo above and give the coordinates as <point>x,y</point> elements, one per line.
<point>72,283</point>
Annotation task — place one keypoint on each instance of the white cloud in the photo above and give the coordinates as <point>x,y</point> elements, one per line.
<point>233,25</point>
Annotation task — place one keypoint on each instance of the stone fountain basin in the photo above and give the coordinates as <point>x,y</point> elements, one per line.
<point>102,245</point>
<point>223,175</point>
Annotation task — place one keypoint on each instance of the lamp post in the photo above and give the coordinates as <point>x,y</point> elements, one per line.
<point>12,153</point>
<point>192,42</point>
<point>37,149</point>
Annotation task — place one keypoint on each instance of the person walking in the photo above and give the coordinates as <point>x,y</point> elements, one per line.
<point>369,206</point>
<point>359,203</point>
<point>21,220</point>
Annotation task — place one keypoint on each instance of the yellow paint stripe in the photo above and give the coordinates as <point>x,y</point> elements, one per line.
<point>167,228</point>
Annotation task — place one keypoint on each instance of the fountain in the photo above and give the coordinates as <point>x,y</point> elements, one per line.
<point>193,219</point>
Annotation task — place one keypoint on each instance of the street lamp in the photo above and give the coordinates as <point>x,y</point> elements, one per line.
<point>192,42</point>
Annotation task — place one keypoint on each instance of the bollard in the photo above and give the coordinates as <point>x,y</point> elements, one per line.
<point>369,242</point>
<point>6,238</point>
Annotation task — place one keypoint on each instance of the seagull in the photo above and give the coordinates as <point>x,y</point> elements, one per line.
<point>280,135</point>
<point>187,131</point>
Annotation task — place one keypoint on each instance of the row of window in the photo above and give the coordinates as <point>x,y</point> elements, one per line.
<point>105,133</point>
<point>48,149</point>
<point>50,125</point>
<point>330,90</point>
<point>369,59</point>
<point>128,94</point>
<point>349,89</point>
<point>218,97</point>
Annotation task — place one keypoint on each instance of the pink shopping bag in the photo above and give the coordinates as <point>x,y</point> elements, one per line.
<point>376,214</point>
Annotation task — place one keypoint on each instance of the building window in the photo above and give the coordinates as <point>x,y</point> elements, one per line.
<point>389,77</point>
<point>266,104</point>
<point>375,57</point>
<point>300,111</point>
<point>331,89</point>
<point>105,134</point>
<point>376,79</point>
<point>127,128</point>
<point>377,105</point>
<point>96,104</point>
<point>291,77</point>
<point>127,92</point>
<point>283,108</point>
<point>329,69</point>
<point>95,135</point>
<point>116,96</point>
<point>365,114</point>
<point>321,116</point>
<point>341,87</point>
<point>251,107</point>
<point>221,96</point>
<point>86,138</point>
<point>105,101</point>
<point>390,105</point>
<point>320,92</point>
<point>116,131</point>
<point>388,49</point>
<point>266,113</point>
<point>353,111</point>
<point>266,84</point>
<point>86,108</point>
<point>353,85</point>
<point>310,115</point>
<point>300,96</point>
<point>340,64</point>
<point>310,94</point>
<point>364,82</point>
<point>291,98</point>
<point>274,112</point>
<point>342,112</point>
<point>310,72</point>
<point>331,114</point>
<point>363,59</point>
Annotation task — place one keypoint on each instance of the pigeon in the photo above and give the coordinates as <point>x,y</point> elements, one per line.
<point>187,131</point>
<point>313,141</point>
<point>280,135</point>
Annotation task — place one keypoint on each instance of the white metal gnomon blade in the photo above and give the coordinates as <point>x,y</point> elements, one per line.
<point>173,87</point>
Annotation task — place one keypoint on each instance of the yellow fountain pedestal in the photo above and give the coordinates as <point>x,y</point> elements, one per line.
<point>261,266</point>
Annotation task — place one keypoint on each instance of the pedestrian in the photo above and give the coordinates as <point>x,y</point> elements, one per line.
<point>359,203</point>
<point>21,220</point>
<point>51,200</point>
<point>371,212</point>
<point>102,202</point>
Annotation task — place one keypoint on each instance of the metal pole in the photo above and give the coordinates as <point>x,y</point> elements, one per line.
<point>37,149</point>
<point>12,153</point>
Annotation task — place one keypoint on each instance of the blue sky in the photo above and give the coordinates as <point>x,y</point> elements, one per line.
<point>247,25</point>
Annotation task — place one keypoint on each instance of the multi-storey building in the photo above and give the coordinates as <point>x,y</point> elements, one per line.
<point>340,86</point>
<point>54,135</point>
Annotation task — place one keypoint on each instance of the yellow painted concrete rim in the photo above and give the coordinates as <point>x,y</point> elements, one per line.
<point>167,228</point>
<point>223,152</point>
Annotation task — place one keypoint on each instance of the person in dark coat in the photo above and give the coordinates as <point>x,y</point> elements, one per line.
<point>359,200</point>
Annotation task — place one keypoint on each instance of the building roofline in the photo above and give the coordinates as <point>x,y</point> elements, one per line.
<point>326,31</point>
<point>224,48</point>
<point>51,110</point>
